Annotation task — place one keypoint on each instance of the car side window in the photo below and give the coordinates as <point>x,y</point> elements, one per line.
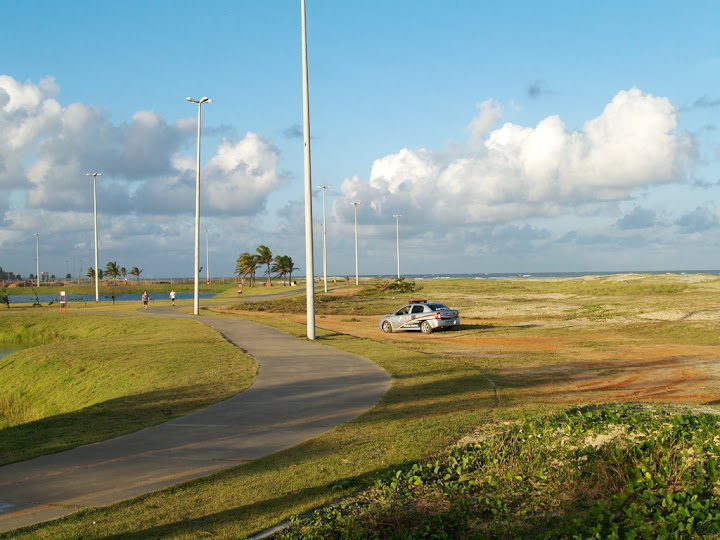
<point>417,309</point>
<point>403,311</point>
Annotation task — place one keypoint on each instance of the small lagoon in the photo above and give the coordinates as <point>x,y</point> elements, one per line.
<point>47,298</point>
<point>7,350</point>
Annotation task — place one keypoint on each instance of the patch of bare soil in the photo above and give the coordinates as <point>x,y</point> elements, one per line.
<point>583,366</point>
<point>612,369</point>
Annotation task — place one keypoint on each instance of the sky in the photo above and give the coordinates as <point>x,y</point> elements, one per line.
<point>515,136</point>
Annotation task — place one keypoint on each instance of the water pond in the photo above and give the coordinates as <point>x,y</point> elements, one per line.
<point>7,349</point>
<point>47,298</point>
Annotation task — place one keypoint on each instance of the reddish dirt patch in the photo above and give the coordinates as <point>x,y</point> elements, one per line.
<point>611,369</point>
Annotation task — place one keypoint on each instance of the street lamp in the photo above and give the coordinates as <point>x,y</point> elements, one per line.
<point>97,270</point>
<point>324,232</point>
<point>397,232</point>
<point>37,258</point>
<point>357,275</point>
<point>309,263</point>
<point>196,301</point>
<point>207,255</point>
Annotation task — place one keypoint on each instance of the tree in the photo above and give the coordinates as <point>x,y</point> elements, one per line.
<point>112,270</point>
<point>91,273</point>
<point>135,271</point>
<point>265,256</point>
<point>279,267</point>
<point>247,265</point>
<point>283,266</point>
<point>123,273</point>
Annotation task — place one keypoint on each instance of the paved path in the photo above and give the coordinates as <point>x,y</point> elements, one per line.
<point>302,390</point>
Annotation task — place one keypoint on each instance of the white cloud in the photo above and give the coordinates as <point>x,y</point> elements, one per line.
<point>242,174</point>
<point>48,150</point>
<point>540,171</point>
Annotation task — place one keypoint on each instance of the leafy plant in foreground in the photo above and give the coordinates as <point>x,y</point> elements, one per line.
<point>593,472</point>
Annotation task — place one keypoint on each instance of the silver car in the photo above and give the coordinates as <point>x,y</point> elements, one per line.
<point>421,315</point>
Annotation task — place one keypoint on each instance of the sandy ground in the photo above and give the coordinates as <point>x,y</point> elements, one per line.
<point>595,363</point>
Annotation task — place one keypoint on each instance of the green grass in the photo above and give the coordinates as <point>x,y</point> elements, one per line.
<point>97,377</point>
<point>430,404</point>
<point>368,301</point>
<point>593,472</point>
<point>437,397</point>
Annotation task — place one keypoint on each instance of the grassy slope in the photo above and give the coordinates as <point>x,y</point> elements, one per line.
<point>102,376</point>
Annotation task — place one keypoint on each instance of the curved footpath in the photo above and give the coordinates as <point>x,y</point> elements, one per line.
<point>302,390</point>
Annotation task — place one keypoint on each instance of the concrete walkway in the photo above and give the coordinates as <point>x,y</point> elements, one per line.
<point>302,390</point>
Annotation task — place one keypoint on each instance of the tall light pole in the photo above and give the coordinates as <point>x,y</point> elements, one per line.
<point>97,270</point>
<point>207,255</point>
<point>397,232</point>
<point>196,301</point>
<point>357,275</point>
<point>37,258</point>
<point>324,239</point>
<point>309,271</point>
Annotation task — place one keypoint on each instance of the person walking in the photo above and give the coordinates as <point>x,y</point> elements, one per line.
<point>145,300</point>
<point>172,297</point>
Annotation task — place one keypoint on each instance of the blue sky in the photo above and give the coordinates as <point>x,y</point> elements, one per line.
<point>511,137</point>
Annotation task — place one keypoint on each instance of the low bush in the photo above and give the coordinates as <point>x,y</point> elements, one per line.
<point>593,472</point>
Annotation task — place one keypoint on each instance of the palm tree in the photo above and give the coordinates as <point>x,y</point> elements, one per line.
<point>91,273</point>
<point>112,270</point>
<point>284,266</point>
<point>247,265</point>
<point>135,271</point>
<point>290,267</point>
<point>279,267</point>
<point>265,256</point>
<point>123,273</point>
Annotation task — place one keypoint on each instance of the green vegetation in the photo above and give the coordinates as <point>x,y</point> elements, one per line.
<point>248,263</point>
<point>511,378</point>
<point>367,301</point>
<point>593,472</point>
<point>89,378</point>
<point>431,404</point>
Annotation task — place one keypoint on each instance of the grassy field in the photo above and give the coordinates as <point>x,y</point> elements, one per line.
<point>87,378</point>
<point>528,352</point>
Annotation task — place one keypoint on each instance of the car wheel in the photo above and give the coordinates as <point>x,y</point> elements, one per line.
<point>425,328</point>
<point>387,327</point>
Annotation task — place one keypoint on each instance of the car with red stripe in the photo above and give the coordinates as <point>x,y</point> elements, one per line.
<point>421,315</point>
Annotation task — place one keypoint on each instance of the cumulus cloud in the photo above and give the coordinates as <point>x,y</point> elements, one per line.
<point>638,218</point>
<point>48,149</point>
<point>701,219</point>
<point>148,174</point>
<point>520,172</point>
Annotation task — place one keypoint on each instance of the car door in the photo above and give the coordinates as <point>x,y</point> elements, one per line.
<point>402,316</point>
<point>416,316</point>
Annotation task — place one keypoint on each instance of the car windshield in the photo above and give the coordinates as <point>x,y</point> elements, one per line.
<point>438,307</point>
